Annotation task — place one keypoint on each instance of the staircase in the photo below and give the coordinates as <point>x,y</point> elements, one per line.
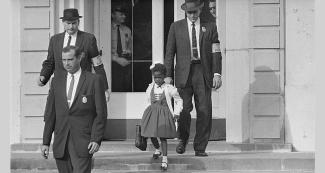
<point>122,156</point>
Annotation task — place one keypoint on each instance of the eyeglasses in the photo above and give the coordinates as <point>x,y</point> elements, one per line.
<point>212,8</point>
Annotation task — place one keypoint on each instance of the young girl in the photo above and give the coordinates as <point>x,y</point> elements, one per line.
<point>158,118</point>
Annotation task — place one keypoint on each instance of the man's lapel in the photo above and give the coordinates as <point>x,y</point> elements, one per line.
<point>202,31</point>
<point>80,83</point>
<point>63,89</point>
<point>186,36</point>
<point>80,38</point>
<point>60,45</point>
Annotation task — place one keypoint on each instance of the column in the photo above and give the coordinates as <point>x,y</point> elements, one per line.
<point>237,70</point>
<point>157,31</point>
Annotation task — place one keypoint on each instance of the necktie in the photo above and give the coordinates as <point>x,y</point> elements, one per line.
<point>119,42</point>
<point>70,90</point>
<point>69,40</point>
<point>194,46</point>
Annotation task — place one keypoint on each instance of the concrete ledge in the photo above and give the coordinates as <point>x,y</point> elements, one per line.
<point>213,146</point>
<point>139,161</point>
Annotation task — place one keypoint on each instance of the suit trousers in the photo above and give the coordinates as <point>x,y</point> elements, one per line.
<point>71,162</point>
<point>196,86</point>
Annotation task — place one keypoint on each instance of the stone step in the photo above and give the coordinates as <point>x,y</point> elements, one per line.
<point>213,146</point>
<point>142,161</point>
<point>151,171</point>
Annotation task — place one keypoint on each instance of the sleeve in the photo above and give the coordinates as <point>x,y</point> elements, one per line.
<point>97,62</point>
<point>101,71</point>
<point>98,126</point>
<point>49,117</point>
<point>148,90</point>
<point>216,55</point>
<point>48,65</point>
<point>178,101</point>
<point>170,51</point>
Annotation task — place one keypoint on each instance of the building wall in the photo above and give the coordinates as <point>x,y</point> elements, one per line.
<point>15,82</point>
<point>300,93</point>
<point>299,68</point>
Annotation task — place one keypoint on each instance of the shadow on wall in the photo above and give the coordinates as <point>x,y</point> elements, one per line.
<point>263,107</point>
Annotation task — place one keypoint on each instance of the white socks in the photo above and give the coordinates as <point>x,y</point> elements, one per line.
<point>164,159</point>
<point>157,151</point>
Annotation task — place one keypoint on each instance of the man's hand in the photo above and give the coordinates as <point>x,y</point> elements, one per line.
<point>40,81</point>
<point>168,80</point>
<point>122,61</point>
<point>217,82</point>
<point>93,147</point>
<point>45,151</point>
<point>107,95</point>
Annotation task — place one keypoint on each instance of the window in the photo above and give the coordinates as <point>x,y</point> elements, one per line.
<point>131,45</point>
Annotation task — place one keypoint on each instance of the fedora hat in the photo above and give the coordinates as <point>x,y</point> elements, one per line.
<point>70,14</point>
<point>192,5</point>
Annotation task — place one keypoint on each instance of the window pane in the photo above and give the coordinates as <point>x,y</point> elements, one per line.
<point>131,45</point>
<point>141,76</point>
<point>121,45</point>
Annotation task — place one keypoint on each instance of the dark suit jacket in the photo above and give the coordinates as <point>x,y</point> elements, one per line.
<point>85,120</point>
<point>85,41</point>
<point>179,43</point>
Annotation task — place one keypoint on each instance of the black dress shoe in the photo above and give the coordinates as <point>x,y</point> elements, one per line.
<point>201,154</point>
<point>180,149</point>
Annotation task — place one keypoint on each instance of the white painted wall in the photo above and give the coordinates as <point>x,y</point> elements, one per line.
<point>300,93</point>
<point>237,70</point>
<point>15,72</point>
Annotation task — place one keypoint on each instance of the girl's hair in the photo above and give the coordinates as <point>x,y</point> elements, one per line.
<point>160,68</point>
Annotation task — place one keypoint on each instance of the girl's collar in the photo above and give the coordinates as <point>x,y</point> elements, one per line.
<point>161,86</point>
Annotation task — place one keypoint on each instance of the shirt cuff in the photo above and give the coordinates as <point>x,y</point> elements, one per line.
<point>217,74</point>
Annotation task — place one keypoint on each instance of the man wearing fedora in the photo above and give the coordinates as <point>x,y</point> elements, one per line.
<point>74,37</point>
<point>198,70</point>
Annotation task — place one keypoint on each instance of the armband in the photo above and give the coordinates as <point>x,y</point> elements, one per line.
<point>215,47</point>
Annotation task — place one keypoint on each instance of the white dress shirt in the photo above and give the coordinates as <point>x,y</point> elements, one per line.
<point>197,35</point>
<point>76,80</point>
<point>126,38</point>
<point>73,39</point>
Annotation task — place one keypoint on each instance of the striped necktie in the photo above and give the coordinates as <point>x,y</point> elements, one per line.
<point>69,40</point>
<point>194,46</point>
<point>70,90</point>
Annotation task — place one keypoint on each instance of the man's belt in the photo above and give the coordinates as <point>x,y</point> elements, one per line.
<point>196,61</point>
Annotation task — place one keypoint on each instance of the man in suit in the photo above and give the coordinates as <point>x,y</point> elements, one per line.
<point>72,36</point>
<point>197,71</point>
<point>77,116</point>
<point>121,51</point>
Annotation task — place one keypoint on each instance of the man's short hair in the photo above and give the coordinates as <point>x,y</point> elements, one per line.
<point>77,51</point>
<point>119,8</point>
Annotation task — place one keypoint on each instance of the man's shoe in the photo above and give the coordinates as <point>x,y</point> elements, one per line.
<point>180,149</point>
<point>201,154</point>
